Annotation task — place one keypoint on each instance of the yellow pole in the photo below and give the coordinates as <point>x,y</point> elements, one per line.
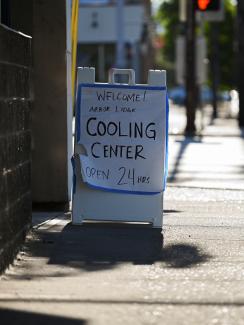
<point>72,19</point>
<point>74,35</point>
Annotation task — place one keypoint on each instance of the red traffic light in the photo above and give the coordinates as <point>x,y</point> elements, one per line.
<point>207,5</point>
<point>203,4</point>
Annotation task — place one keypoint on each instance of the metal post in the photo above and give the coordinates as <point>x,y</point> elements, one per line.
<point>240,14</point>
<point>190,70</point>
<point>101,62</point>
<point>120,50</point>
<point>215,67</point>
<point>200,69</point>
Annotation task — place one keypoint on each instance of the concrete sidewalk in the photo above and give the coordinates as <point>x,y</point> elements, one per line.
<point>116,275</point>
<point>208,162</point>
<point>214,159</point>
<point>193,274</point>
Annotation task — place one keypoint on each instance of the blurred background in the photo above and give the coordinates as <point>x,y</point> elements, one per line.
<point>147,35</point>
<point>116,33</point>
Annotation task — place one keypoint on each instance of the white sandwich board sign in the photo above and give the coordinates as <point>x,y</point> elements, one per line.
<point>122,134</point>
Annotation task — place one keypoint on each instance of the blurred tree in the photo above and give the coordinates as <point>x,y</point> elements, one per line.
<point>168,17</point>
<point>226,42</point>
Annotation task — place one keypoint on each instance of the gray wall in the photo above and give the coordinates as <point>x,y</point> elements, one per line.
<point>49,121</point>
<point>15,142</point>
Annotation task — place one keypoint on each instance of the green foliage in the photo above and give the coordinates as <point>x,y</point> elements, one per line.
<point>226,44</point>
<point>168,17</point>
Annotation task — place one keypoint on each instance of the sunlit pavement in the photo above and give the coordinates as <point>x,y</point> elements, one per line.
<point>131,275</point>
<point>209,162</point>
<point>213,159</point>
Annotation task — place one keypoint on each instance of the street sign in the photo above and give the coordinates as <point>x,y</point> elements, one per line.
<point>120,158</point>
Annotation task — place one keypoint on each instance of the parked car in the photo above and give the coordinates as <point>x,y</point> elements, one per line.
<point>178,95</point>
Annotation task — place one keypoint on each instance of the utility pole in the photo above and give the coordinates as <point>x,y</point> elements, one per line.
<point>120,47</point>
<point>215,67</point>
<point>190,70</point>
<point>240,17</point>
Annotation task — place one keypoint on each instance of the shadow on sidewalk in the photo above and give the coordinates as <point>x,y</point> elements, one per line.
<point>173,173</point>
<point>18,317</point>
<point>96,247</point>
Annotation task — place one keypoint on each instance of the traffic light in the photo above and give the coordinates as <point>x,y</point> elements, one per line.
<point>207,5</point>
